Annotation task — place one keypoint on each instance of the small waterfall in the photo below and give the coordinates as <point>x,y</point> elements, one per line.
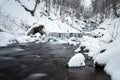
<point>65,35</point>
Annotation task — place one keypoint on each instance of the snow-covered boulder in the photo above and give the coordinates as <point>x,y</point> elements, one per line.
<point>35,29</point>
<point>97,33</point>
<point>82,49</point>
<point>73,39</point>
<point>90,46</point>
<point>77,60</point>
<point>73,43</point>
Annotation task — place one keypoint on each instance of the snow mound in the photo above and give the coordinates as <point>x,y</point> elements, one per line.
<point>27,39</point>
<point>72,43</point>
<point>77,60</point>
<point>92,44</point>
<point>111,59</point>
<point>6,39</point>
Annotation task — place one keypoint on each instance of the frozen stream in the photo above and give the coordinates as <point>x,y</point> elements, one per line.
<point>44,62</point>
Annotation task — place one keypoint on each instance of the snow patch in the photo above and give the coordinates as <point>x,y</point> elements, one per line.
<point>6,39</point>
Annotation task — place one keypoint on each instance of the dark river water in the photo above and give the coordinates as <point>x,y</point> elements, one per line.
<point>44,62</point>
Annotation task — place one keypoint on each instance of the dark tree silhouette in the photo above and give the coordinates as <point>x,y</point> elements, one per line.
<point>34,9</point>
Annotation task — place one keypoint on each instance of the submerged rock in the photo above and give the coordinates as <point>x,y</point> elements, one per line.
<point>36,76</point>
<point>99,66</point>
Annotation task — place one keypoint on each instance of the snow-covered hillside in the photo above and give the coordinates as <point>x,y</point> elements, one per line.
<point>52,23</point>
<point>104,49</point>
<point>15,20</point>
<point>111,57</point>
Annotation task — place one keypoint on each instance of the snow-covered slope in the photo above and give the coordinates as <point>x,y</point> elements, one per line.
<point>111,57</point>
<point>104,50</point>
<point>52,23</point>
<point>15,20</point>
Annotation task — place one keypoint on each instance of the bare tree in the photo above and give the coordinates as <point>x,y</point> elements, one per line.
<point>48,7</point>
<point>62,14</point>
<point>105,7</point>
<point>114,6</point>
<point>34,9</point>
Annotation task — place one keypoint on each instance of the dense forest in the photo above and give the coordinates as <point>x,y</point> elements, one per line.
<point>77,7</point>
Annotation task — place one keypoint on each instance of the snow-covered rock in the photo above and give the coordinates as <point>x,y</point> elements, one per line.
<point>72,43</point>
<point>77,60</point>
<point>73,38</point>
<point>98,32</point>
<point>77,50</point>
<point>91,44</point>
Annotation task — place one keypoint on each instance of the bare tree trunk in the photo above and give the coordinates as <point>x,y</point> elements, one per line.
<point>48,7</point>
<point>34,9</point>
<point>62,10</point>
<point>36,3</point>
<point>114,6</point>
<point>72,12</point>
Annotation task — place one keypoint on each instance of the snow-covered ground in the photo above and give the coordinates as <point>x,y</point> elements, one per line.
<point>52,23</point>
<point>17,23</point>
<point>110,42</point>
<point>6,39</point>
<point>111,57</point>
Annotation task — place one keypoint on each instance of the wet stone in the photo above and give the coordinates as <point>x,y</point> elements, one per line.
<point>99,66</point>
<point>36,76</point>
<point>31,56</point>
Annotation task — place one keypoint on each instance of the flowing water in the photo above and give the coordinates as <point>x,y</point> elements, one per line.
<point>65,35</point>
<point>44,62</point>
